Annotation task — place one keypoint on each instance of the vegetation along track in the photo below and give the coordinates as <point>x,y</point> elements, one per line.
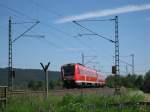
<point>108,91</point>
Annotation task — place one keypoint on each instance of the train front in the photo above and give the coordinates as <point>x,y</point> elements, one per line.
<point>68,74</point>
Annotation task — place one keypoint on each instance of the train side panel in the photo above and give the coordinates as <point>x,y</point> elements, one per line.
<point>85,75</point>
<point>81,75</point>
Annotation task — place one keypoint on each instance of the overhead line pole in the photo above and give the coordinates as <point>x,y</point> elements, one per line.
<point>126,69</point>
<point>10,69</point>
<point>116,42</point>
<point>116,46</point>
<point>83,58</point>
<point>82,55</point>
<point>132,64</point>
<point>117,88</point>
<point>11,73</point>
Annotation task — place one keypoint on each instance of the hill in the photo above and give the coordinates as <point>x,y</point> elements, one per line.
<point>23,76</point>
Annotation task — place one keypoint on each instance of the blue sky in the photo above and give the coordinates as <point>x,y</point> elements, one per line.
<point>61,44</point>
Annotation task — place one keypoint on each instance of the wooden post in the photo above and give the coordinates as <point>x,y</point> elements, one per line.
<point>3,97</point>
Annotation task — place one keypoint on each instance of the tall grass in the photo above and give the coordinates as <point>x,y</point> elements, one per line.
<point>76,103</point>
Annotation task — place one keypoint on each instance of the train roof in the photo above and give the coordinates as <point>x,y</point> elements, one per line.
<point>100,73</point>
<point>73,64</point>
<point>80,65</point>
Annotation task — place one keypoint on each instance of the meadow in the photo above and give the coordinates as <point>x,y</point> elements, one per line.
<point>126,102</point>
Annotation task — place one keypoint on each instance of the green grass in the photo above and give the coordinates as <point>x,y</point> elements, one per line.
<point>76,103</point>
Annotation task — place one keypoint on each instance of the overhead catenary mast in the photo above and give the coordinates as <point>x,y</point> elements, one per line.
<point>11,72</point>
<point>10,69</point>
<point>132,64</point>
<point>116,43</point>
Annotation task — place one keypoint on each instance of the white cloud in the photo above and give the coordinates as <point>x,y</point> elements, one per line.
<point>106,12</point>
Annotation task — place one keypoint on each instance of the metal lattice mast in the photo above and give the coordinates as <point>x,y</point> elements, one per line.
<point>117,73</point>
<point>11,73</point>
<point>10,68</point>
<point>115,69</point>
<point>132,64</point>
<point>82,55</point>
<point>116,47</point>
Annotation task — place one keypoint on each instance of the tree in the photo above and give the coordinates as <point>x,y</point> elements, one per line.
<point>146,85</point>
<point>36,85</point>
<point>55,84</point>
<point>32,84</point>
<point>110,81</point>
<point>130,81</point>
<point>139,81</point>
<point>52,84</point>
<point>40,85</point>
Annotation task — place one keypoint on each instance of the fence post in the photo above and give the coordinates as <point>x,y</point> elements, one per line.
<point>3,97</point>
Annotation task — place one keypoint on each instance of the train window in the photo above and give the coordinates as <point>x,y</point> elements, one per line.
<point>87,72</point>
<point>68,70</point>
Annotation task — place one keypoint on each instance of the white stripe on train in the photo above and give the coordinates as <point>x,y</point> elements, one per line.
<point>89,82</point>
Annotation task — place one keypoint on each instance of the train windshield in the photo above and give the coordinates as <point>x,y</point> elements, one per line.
<point>68,70</point>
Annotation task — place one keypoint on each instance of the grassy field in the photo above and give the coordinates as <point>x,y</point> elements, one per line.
<point>79,103</point>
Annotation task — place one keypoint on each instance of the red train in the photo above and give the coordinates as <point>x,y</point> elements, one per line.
<point>78,75</point>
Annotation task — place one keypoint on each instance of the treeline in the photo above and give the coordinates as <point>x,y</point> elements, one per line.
<point>141,82</point>
<point>40,85</point>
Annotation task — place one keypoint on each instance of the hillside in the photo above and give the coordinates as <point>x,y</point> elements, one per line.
<point>23,76</point>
